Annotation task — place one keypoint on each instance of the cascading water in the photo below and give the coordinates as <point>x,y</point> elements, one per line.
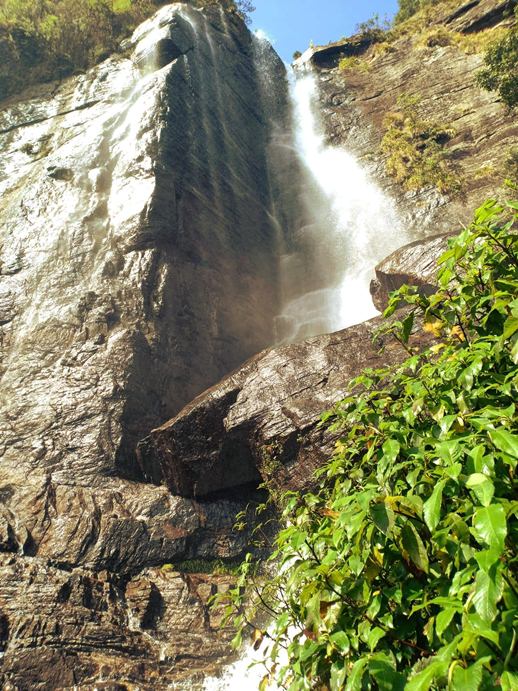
<point>347,226</point>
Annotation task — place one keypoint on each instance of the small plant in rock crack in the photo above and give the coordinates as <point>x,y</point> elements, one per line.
<point>401,572</point>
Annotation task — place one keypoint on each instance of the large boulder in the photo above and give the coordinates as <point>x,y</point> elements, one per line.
<point>414,264</point>
<point>261,423</point>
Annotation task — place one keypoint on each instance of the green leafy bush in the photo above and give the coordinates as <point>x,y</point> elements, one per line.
<point>216,567</point>
<point>511,165</point>
<point>415,148</point>
<point>401,572</point>
<point>407,8</point>
<point>501,71</point>
<point>374,28</point>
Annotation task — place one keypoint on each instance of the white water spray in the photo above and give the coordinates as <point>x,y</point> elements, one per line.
<point>244,675</point>
<point>348,226</point>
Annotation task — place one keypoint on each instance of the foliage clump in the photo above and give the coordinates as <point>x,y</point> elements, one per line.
<point>511,165</point>
<point>408,8</point>
<point>354,63</point>
<point>43,40</point>
<point>415,148</point>
<point>500,73</point>
<point>216,567</point>
<point>437,36</point>
<point>374,28</point>
<point>401,572</point>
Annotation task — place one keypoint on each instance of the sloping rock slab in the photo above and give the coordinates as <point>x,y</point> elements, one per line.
<point>414,264</point>
<point>330,55</point>
<point>261,422</point>
<point>476,15</point>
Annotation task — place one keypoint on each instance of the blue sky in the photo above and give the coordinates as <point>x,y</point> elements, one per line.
<point>292,24</point>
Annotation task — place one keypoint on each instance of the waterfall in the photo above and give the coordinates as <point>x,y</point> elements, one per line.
<point>346,226</point>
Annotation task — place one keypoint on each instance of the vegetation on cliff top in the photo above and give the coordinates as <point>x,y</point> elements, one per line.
<point>407,8</point>
<point>43,40</point>
<point>401,572</point>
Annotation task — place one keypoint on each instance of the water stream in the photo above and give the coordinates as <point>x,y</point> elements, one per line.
<point>347,226</point>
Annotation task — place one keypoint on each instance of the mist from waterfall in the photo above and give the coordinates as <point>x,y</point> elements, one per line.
<point>347,225</point>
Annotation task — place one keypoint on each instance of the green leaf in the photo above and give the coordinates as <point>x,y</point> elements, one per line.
<point>423,680</point>
<point>475,624</point>
<point>432,506</point>
<point>338,673</point>
<point>414,546</point>
<point>355,677</point>
<point>391,449</point>
<point>468,679</point>
<point>510,327</point>
<point>467,376</point>
<point>407,324</point>
<point>487,558</point>
<point>505,441</point>
<point>383,671</point>
<point>488,592</point>
<point>443,620</point>
<point>490,526</point>
<point>509,681</point>
<point>374,637</point>
<point>383,517</point>
<point>341,640</point>
<point>482,487</point>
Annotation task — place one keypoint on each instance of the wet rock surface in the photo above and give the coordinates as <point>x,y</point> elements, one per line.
<point>135,270</point>
<point>79,629</point>
<point>355,103</point>
<point>136,244</point>
<point>135,266</point>
<point>263,420</point>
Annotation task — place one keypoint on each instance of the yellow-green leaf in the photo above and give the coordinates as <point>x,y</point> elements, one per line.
<point>482,487</point>
<point>432,507</point>
<point>490,526</point>
<point>505,441</point>
<point>414,546</point>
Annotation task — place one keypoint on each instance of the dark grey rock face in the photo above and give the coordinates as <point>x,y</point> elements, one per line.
<point>136,246</point>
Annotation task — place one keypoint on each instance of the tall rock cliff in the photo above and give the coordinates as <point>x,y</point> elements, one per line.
<point>136,269</point>
<point>145,207</point>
